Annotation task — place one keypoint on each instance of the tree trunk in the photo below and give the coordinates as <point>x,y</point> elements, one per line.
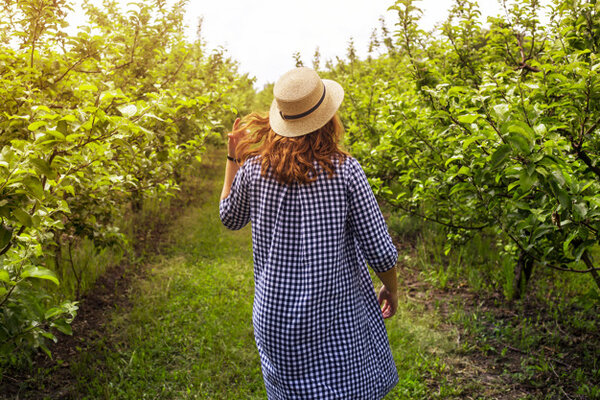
<point>590,264</point>
<point>523,269</point>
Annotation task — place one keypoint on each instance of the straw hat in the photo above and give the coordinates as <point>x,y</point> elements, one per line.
<point>303,102</point>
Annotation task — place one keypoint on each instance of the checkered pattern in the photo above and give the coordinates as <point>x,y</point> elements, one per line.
<point>317,323</point>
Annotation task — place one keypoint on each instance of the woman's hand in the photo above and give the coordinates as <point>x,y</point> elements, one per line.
<point>234,137</point>
<point>388,302</point>
<point>231,168</point>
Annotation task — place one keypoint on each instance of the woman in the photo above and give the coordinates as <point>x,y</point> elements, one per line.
<point>317,322</point>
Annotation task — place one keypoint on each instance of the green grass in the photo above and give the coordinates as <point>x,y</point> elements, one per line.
<point>420,348</point>
<point>188,333</point>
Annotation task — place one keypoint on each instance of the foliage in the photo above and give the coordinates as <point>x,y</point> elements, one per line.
<point>91,124</point>
<point>263,99</point>
<point>488,129</point>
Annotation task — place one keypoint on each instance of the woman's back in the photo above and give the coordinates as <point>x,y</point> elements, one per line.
<point>318,326</point>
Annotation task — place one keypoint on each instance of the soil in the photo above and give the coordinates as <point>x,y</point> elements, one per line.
<point>492,371</point>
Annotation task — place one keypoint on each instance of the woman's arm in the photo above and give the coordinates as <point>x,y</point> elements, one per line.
<point>231,169</point>
<point>232,166</point>
<point>369,228</point>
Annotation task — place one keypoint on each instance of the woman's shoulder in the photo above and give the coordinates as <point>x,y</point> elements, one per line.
<point>348,170</point>
<point>251,162</point>
<point>251,168</point>
<point>350,161</point>
<point>350,165</point>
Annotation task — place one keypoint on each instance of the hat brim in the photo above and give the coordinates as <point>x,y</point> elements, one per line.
<point>334,94</point>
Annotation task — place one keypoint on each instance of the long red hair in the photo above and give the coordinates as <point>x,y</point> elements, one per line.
<point>292,159</point>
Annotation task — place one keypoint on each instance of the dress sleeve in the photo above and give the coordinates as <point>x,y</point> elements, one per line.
<point>234,210</point>
<point>367,223</point>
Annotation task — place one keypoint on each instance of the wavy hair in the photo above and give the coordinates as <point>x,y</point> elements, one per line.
<point>292,159</point>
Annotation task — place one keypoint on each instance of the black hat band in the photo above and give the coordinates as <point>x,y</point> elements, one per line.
<point>304,114</point>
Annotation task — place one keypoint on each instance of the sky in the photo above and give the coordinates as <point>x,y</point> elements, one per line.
<point>263,35</point>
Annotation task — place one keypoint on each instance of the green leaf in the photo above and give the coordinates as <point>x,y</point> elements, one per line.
<point>522,128</point>
<point>581,248</point>
<point>519,142</point>
<point>464,170</point>
<point>526,181</point>
<point>62,127</point>
<point>45,349</point>
<point>587,185</point>
<point>455,158</point>
<point>539,232</point>
<point>34,126</point>
<point>566,243</point>
<point>467,142</point>
<point>49,116</point>
<point>162,155</point>
<point>5,236</point>
<point>500,110</point>
<point>34,186</point>
<point>500,155</point>
<point>468,118</point>
<point>558,178</point>
<point>39,273</point>
<point>69,118</point>
<point>56,134</point>
<point>23,217</point>
<point>89,87</point>
<point>62,326</point>
<point>580,210</point>
<point>128,110</point>
<point>53,312</point>
<point>4,277</point>
<point>540,129</point>
<point>41,108</point>
<point>150,115</point>
<point>459,186</point>
<point>564,199</point>
<point>49,335</point>
<point>43,168</point>
<point>513,185</point>
<point>73,137</point>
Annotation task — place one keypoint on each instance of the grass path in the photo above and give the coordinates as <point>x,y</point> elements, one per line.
<point>188,333</point>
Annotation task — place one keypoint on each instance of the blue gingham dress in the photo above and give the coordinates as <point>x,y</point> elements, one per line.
<point>317,323</point>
